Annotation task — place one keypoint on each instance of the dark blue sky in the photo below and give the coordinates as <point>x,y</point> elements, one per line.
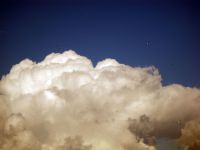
<point>137,33</point>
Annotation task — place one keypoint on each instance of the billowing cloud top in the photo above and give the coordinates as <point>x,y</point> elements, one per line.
<point>64,103</point>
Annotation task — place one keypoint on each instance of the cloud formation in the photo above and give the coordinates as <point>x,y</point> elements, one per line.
<point>65,103</point>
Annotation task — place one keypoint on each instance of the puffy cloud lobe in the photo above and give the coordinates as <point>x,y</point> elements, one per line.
<point>15,135</point>
<point>191,135</point>
<point>143,129</point>
<point>63,102</point>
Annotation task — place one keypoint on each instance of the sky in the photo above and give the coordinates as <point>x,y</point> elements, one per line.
<point>138,33</point>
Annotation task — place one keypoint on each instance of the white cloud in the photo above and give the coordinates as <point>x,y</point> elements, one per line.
<point>64,102</point>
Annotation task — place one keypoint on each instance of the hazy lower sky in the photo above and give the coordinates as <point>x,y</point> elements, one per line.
<point>137,33</point>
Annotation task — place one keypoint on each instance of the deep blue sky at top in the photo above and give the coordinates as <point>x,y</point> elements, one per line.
<point>138,33</point>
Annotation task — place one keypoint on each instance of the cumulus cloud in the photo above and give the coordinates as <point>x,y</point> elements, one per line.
<point>65,103</point>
